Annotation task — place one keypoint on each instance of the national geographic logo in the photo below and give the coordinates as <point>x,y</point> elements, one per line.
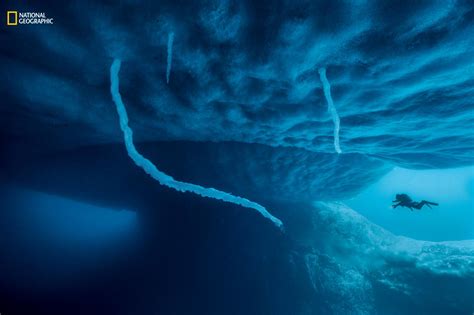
<point>15,18</point>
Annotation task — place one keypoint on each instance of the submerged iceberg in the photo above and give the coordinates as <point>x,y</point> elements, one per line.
<point>370,271</point>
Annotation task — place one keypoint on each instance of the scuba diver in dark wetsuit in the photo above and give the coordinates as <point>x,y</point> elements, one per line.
<point>404,200</point>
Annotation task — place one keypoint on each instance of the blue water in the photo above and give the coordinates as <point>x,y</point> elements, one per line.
<point>269,141</point>
<point>53,241</point>
<point>453,189</point>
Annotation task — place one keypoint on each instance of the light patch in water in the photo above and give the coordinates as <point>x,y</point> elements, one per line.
<point>453,189</point>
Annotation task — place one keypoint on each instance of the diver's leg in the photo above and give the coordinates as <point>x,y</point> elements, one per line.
<point>424,202</point>
<point>416,205</point>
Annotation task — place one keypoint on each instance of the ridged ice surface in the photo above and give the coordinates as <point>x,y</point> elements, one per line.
<point>401,76</point>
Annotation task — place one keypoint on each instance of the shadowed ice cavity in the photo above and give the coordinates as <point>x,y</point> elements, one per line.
<point>163,178</point>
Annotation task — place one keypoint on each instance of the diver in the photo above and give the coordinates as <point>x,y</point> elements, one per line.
<point>405,201</point>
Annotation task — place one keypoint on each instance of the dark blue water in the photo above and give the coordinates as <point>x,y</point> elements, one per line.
<point>219,157</point>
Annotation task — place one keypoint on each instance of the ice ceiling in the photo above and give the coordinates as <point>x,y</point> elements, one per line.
<point>247,73</point>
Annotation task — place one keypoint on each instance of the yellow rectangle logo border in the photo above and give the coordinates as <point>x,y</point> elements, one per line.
<point>15,14</point>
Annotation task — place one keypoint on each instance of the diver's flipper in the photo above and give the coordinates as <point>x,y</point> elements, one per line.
<point>429,203</point>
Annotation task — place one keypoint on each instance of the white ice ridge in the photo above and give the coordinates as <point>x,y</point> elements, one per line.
<point>161,177</point>
<point>332,110</point>
<point>169,59</point>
